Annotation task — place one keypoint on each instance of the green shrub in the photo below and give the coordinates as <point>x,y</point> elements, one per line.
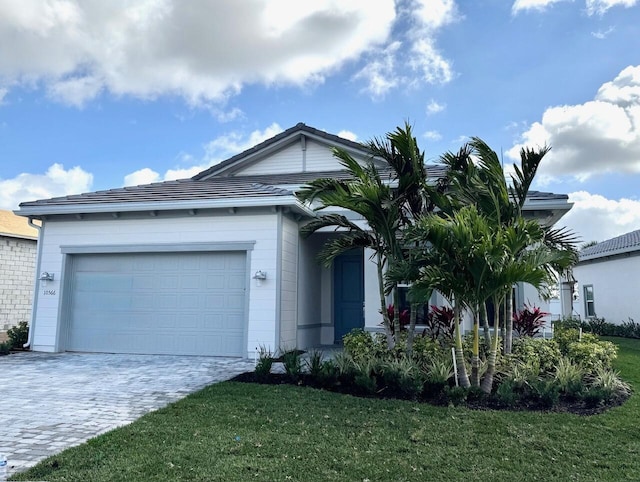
<point>327,376</point>
<point>545,392</point>
<point>362,345</point>
<point>592,353</point>
<point>569,323</point>
<point>455,395</point>
<point>597,326</point>
<point>5,348</point>
<point>345,367</point>
<point>264,363</point>
<point>402,376</point>
<point>610,382</point>
<point>314,363</point>
<point>569,377</point>
<point>292,363</point>
<point>507,394</point>
<point>596,397</point>
<point>540,356</point>
<point>18,335</point>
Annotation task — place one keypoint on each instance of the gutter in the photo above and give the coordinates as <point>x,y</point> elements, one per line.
<point>76,208</point>
<point>36,289</point>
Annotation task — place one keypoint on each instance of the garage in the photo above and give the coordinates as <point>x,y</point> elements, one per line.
<point>186,303</point>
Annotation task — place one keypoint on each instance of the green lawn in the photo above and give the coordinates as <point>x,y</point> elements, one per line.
<point>234,431</point>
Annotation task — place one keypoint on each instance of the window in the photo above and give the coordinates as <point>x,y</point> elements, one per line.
<point>589,306</point>
<point>423,310</point>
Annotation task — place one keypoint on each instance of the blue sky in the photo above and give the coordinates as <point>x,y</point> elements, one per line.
<point>96,95</point>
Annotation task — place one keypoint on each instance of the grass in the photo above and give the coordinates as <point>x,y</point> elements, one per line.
<point>237,432</point>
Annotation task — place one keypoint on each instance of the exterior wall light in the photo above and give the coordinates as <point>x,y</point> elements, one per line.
<point>260,276</point>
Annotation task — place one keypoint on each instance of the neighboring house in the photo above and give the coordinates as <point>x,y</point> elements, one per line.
<point>212,265</point>
<point>608,276</point>
<point>18,243</point>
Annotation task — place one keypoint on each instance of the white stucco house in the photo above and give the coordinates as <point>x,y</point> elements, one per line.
<point>212,265</point>
<point>608,277</point>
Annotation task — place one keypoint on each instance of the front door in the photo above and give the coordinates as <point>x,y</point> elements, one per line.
<point>348,296</point>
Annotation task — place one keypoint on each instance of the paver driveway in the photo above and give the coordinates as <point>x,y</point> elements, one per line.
<point>49,402</point>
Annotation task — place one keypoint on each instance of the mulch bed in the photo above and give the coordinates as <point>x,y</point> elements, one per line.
<point>474,401</point>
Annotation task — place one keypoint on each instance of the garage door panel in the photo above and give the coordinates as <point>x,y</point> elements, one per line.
<point>164,303</point>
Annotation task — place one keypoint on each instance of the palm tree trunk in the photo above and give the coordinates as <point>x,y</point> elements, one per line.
<point>463,379</point>
<point>485,323</point>
<point>508,337</point>
<point>487,380</point>
<point>386,322</point>
<point>397,327</point>
<point>412,328</point>
<point>475,355</point>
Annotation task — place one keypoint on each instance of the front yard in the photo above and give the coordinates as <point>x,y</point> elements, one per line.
<point>236,431</point>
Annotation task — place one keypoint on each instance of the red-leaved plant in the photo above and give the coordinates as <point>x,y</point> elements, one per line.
<point>405,318</point>
<point>440,322</point>
<point>529,320</point>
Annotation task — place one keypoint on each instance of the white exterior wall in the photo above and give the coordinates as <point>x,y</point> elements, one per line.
<point>615,288</point>
<point>17,272</point>
<point>315,157</point>
<point>258,228</point>
<point>311,316</point>
<point>372,315</point>
<point>288,283</point>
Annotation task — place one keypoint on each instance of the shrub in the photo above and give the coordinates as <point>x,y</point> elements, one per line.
<point>19,334</point>
<point>314,363</point>
<point>609,381</point>
<point>425,349</point>
<point>545,392</point>
<point>529,321</point>
<point>440,323</point>
<point>361,345</point>
<point>292,363</point>
<point>345,367</point>
<point>327,376</point>
<point>264,363</point>
<point>569,377</point>
<point>591,353</point>
<point>507,394</point>
<point>569,323</point>
<point>402,376</point>
<point>539,355</point>
<point>628,329</point>
<point>597,326</point>
<point>455,395</point>
<point>5,348</point>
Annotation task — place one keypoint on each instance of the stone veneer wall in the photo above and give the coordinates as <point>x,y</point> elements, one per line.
<point>17,265</point>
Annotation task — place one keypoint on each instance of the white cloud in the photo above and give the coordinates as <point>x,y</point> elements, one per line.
<point>417,49</point>
<point>596,218</point>
<point>433,135</point>
<point>603,34</point>
<point>540,5</point>
<point>592,6</point>
<point>141,176</point>
<point>601,6</point>
<point>434,107</point>
<point>215,151</point>
<point>55,182</point>
<point>599,136</point>
<point>348,135</point>
<point>3,94</point>
<point>202,51</point>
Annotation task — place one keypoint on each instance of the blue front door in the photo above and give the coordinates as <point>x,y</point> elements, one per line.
<point>348,296</point>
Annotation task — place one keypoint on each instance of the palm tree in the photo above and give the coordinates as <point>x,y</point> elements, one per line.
<point>388,205</point>
<point>367,195</point>
<point>476,177</point>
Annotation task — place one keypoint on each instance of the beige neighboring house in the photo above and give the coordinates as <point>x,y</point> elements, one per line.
<point>18,250</point>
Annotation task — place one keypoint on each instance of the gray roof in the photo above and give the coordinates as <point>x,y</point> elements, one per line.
<point>212,188</point>
<point>626,243</point>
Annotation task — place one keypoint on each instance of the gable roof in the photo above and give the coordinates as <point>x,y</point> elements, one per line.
<point>250,155</point>
<point>216,187</point>
<point>16,226</point>
<point>626,243</point>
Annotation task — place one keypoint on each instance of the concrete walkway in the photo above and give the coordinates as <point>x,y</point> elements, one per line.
<point>49,402</point>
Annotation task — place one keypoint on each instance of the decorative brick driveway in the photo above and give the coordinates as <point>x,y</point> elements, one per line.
<point>49,402</point>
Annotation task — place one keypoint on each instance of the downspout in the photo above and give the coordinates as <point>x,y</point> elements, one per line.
<point>36,289</point>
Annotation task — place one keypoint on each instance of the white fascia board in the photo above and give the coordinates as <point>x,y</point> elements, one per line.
<point>552,204</point>
<point>166,206</point>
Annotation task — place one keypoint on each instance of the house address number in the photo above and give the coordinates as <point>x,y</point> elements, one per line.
<point>49,292</point>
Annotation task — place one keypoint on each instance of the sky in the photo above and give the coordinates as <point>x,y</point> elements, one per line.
<point>97,95</point>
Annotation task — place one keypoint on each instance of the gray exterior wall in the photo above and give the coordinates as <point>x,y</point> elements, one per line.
<point>17,268</point>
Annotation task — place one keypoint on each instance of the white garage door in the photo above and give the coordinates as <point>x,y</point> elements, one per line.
<point>158,303</point>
